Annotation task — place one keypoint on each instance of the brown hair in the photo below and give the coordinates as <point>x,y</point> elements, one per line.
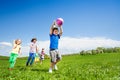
<point>33,39</point>
<point>42,48</point>
<point>55,29</point>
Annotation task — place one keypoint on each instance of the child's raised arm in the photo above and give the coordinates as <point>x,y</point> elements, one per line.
<point>61,31</point>
<point>14,44</point>
<point>51,28</point>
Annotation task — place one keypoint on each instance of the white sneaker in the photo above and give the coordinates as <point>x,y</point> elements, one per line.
<point>55,67</point>
<point>50,70</point>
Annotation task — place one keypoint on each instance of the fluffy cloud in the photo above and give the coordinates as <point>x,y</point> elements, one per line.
<point>68,45</point>
<point>73,45</point>
<point>5,44</point>
<point>5,48</point>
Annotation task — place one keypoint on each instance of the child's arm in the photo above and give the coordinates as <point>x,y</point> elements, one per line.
<point>61,31</point>
<point>19,51</point>
<point>14,44</point>
<point>37,49</point>
<point>44,53</point>
<point>51,28</point>
<point>31,45</point>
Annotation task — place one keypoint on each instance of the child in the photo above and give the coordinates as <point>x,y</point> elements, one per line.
<point>54,39</point>
<point>42,54</point>
<point>36,58</point>
<point>32,52</point>
<point>14,53</point>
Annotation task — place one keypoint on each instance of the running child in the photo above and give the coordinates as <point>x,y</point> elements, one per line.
<point>55,35</point>
<point>32,52</point>
<point>14,53</point>
<point>42,54</point>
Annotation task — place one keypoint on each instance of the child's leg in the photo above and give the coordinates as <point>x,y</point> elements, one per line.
<point>13,60</point>
<point>29,58</point>
<point>33,58</point>
<point>57,61</point>
<point>52,65</point>
<point>41,59</point>
<point>53,58</point>
<point>58,56</point>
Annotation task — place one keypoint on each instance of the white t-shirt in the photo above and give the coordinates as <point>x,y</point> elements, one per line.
<point>33,48</point>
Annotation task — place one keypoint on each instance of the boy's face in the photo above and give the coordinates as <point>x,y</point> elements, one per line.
<point>55,32</point>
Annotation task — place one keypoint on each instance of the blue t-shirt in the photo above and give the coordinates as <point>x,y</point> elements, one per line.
<point>54,39</point>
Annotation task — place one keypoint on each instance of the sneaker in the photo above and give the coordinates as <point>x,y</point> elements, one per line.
<point>55,67</point>
<point>50,70</point>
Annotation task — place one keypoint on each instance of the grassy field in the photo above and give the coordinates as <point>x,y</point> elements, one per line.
<point>74,67</point>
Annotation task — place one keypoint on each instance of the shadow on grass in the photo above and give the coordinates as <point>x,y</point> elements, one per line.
<point>41,70</point>
<point>21,68</point>
<point>24,68</point>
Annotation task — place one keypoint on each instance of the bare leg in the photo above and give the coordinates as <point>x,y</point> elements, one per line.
<point>40,61</point>
<point>57,61</point>
<point>52,65</point>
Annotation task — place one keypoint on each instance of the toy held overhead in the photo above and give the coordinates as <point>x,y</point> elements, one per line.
<point>59,22</point>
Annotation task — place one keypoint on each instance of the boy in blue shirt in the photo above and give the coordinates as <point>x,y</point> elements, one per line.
<point>54,41</point>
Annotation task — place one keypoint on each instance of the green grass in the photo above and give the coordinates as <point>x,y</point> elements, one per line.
<point>75,67</point>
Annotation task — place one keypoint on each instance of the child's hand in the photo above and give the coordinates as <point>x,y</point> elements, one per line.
<point>53,24</point>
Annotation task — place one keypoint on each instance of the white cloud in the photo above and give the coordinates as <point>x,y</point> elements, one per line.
<point>5,48</point>
<point>73,45</point>
<point>5,44</point>
<point>68,45</point>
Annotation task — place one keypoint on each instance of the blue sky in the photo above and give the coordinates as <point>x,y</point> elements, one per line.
<point>26,19</point>
<point>83,18</point>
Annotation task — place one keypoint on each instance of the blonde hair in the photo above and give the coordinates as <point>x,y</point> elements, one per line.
<point>17,41</point>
